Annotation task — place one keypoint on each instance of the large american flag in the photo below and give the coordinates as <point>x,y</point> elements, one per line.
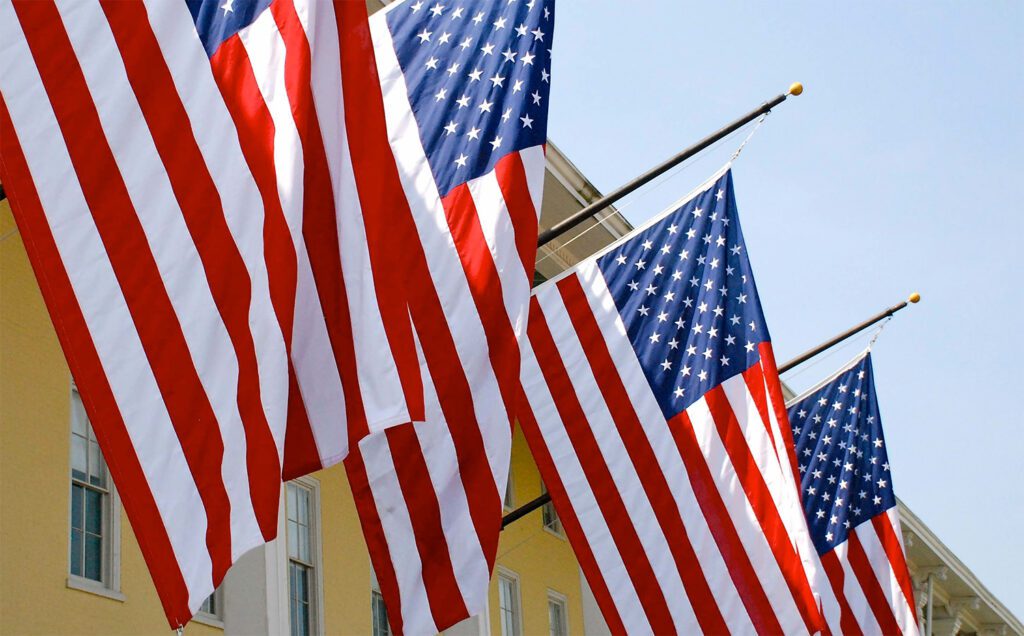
<point>269,229</point>
<point>657,419</point>
<point>850,504</point>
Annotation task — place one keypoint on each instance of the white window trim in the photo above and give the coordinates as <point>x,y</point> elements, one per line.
<point>504,571</point>
<point>109,589</point>
<point>560,533</point>
<point>564,600</point>
<point>213,620</point>
<point>282,554</point>
<point>510,492</point>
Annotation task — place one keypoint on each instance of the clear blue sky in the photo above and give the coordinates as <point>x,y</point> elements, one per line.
<point>899,169</point>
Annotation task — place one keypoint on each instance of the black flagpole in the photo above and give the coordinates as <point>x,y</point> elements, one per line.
<point>564,226</point>
<point>526,509</point>
<point>3,195</point>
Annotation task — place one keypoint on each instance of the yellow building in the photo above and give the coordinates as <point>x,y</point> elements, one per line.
<point>70,564</point>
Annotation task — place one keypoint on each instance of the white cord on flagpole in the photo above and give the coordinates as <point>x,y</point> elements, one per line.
<point>663,180</point>
<point>878,332</point>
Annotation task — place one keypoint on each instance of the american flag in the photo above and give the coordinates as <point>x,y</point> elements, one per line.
<point>260,244</point>
<point>657,420</point>
<point>848,498</point>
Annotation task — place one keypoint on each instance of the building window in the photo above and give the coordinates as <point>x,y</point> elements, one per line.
<point>94,508</point>
<point>557,616</point>
<point>213,606</point>
<point>303,557</point>
<point>509,604</point>
<point>381,626</point>
<point>509,501</point>
<point>549,516</point>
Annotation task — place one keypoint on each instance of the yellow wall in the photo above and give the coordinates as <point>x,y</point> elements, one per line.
<point>35,403</point>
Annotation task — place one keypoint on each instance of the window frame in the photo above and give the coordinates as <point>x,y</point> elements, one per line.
<point>312,485</point>
<point>563,600</point>
<point>505,573</point>
<point>508,500</point>
<point>215,618</point>
<point>109,584</point>
<point>555,528</point>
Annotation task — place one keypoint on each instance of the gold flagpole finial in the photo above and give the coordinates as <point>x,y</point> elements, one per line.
<point>796,88</point>
<point>915,297</point>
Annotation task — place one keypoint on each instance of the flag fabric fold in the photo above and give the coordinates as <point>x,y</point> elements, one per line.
<point>268,230</point>
<point>850,505</point>
<point>656,416</point>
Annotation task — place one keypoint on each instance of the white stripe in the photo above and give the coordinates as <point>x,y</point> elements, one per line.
<point>170,243</point>
<point>501,241</point>
<point>398,532</point>
<point>883,570</point>
<point>313,356</point>
<point>103,307</point>
<point>744,519</point>
<point>669,460</point>
<point>615,457</point>
<point>468,560</point>
<point>243,208</point>
<point>854,593</point>
<point>379,383</point>
<point>534,164</point>
<point>443,261</point>
<point>609,562</point>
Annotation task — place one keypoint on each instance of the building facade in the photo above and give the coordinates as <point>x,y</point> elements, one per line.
<point>70,564</point>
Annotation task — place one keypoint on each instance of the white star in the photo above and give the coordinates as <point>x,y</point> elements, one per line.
<point>691,350</point>
<point>537,33</point>
<point>703,375</point>
<point>457,14</point>
<point>499,24</point>
<point>720,241</point>
<point>620,259</point>
<point>485,106</point>
<point>643,311</point>
<point>678,392</point>
<point>441,94</point>
<point>475,75</point>
<point>228,6</point>
<point>536,97</point>
<point>527,59</point>
<point>521,30</point>
<point>416,7</point>
<point>451,128</point>
<point>545,76</point>
<point>444,38</point>
<point>742,298</point>
<point>461,161</point>
<point>697,212</point>
<point>735,249</point>
<point>474,133</point>
<point>498,80</point>
<point>670,296</point>
<point>527,121</point>
<point>749,347</point>
<point>465,44</point>
<point>640,264</point>
<point>676,275</point>
<point>673,344</point>
<point>424,35</point>
<point>518,86</point>
<point>495,143</point>
<point>432,63</point>
<point>478,18</point>
<point>881,483</point>
<point>633,285</point>
<point>463,101</point>
<point>730,340</point>
<point>724,361</point>
<point>684,255</point>
<point>719,195</point>
<point>672,229</point>
<point>655,337</point>
<point>686,370</point>
<point>505,116</point>
<point>666,248</point>
<point>690,233</point>
<point>651,290</point>
<point>666,365</point>
<point>509,55</point>
<point>488,49</point>
<point>437,9</point>
<point>453,69</point>
<point>662,317</point>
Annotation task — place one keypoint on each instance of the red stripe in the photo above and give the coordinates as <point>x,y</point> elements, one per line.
<point>741,570</point>
<point>301,456</point>
<point>485,288</point>
<point>201,209</point>
<point>385,208</point>
<point>897,559</point>
<point>390,232</point>
<point>760,499</point>
<point>638,446</point>
<point>511,175</point>
<point>861,566</point>
<point>754,378</point>
<point>127,247</point>
<point>567,515</point>
<point>834,570</point>
<point>376,542</point>
<point>606,492</point>
<point>771,376</point>
<point>255,128</point>
<point>319,222</point>
<point>90,378</point>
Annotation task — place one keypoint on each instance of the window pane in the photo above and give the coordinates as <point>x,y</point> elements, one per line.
<point>93,557</point>
<point>293,540</point>
<point>97,467</point>
<point>77,507</point>
<point>79,422</point>
<point>299,606</point>
<point>508,605</point>
<point>93,512</point>
<point>381,627</point>
<point>77,546</point>
<point>556,617</point>
<point>291,500</point>
<point>79,466</point>
<point>209,606</point>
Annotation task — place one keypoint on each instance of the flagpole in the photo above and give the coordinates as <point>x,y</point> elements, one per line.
<point>527,508</point>
<point>3,195</point>
<point>562,227</point>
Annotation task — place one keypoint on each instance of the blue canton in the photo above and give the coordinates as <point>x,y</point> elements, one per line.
<point>478,76</point>
<point>686,294</point>
<point>218,20</point>
<point>840,449</point>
